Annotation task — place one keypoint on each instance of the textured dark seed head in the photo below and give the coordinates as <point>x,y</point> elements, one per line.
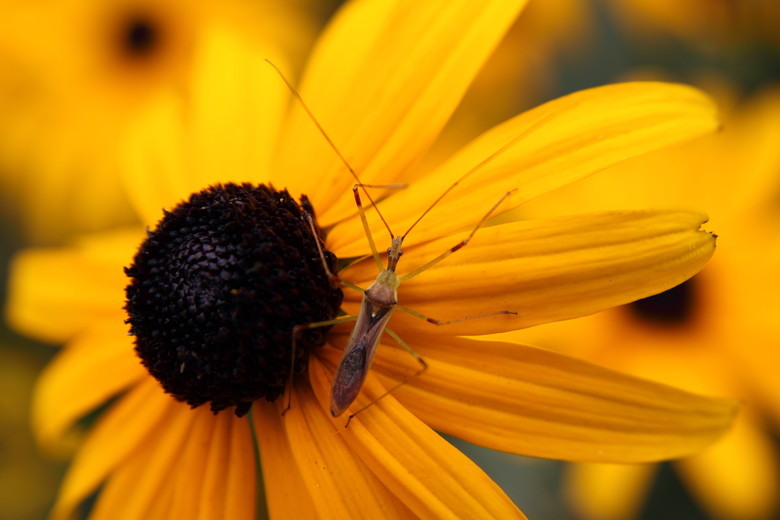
<point>216,290</point>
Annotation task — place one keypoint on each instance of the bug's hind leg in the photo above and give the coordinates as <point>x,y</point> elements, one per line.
<point>434,321</point>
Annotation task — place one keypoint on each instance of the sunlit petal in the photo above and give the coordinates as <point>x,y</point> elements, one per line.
<point>282,479</point>
<point>122,431</point>
<point>557,143</point>
<point>150,471</point>
<point>535,402</point>
<point>428,474</point>
<point>547,270</point>
<point>384,100</point>
<point>232,482</point>
<point>215,476</point>
<point>339,482</point>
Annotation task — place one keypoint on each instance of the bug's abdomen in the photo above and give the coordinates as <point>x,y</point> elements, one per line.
<point>348,380</point>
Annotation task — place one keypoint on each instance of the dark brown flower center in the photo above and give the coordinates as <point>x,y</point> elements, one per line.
<point>671,308</point>
<point>217,288</point>
<point>139,37</point>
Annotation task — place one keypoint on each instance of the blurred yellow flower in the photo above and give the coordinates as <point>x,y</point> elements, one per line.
<point>383,79</point>
<point>74,73</point>
<point>722,22</point>
<point>717,333</point>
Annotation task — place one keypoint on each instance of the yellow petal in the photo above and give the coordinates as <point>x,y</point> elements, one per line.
<point>215,474</point>
<point>547,270</point>
<point>738,477</point>
<point>235,137</point>
<point>428,474</point>
<point>161,509</point>
<point>120,432</point>
<point>556,144</point>
<point>146,477</point>
<point>282,478</point>
<point>694,175</point>
<point>748,145</point>
<point>55,293</point>
<point>95,366</point>
<point>225,132</point>
<point>185,485</point>
<point>763,355</point>
<point>237,473</point>
<point>153,163</point>
<point>533,402</point>
<point>383,81</point>
<point>609,491</point>
<point>340,484</point>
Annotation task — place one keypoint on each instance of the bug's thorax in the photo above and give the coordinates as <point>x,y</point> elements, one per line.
<point>383,293</point>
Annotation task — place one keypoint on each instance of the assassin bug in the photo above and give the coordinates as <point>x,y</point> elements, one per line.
<point>380,298</point>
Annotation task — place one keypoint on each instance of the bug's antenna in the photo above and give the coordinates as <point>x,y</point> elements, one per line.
<point>506,146</point>
<point>330,142</point>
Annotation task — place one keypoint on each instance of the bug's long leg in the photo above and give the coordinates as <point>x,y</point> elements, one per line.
<point>365,226</point>
<point>330,142</point>
<point>424,367</point>
<point>447,322</point>
<point>460,244</point>
<point>352,286</point>
<point>407,348</point>
<point>399,186</point>
<point>334,279</point>
<point>297,330</point>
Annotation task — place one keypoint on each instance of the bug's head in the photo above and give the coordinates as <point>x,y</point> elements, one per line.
<point>394,253</point>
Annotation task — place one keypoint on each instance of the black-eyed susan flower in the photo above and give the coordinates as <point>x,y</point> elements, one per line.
<point>74,73</point>
<point>716,333</point>
<point>383,80</point>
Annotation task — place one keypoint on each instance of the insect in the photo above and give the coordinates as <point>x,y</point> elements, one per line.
<point>380,299</point>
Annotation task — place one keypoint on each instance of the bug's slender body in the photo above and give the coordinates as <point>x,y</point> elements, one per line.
<point>379,301</point>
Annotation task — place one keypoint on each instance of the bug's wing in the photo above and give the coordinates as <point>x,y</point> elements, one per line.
<point>357,358</point>
<point>348,379</point>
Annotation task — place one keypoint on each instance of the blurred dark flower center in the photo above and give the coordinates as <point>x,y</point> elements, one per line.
<point>217,288</point>
<point>673,307</point>
<point>140,37</point>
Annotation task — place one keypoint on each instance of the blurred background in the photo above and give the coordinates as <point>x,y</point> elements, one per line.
<point>74,72</point>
